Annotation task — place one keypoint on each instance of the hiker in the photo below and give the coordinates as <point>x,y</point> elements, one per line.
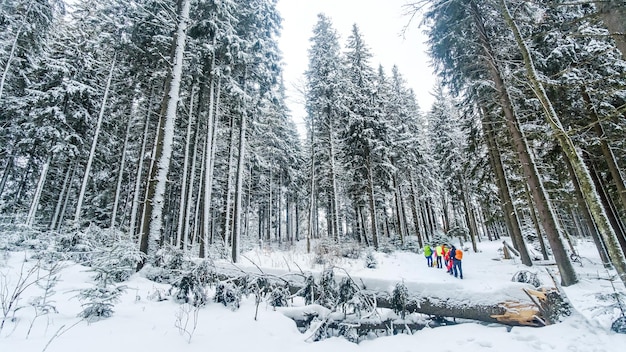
<point>428,253</point>
<point>451,255</point>
<point>458,257</point>
<point>447,259</point>
<point>446,256</point>
<point>439,252</point>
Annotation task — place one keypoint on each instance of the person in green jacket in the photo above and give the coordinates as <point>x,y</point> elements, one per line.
<point>428,253</point>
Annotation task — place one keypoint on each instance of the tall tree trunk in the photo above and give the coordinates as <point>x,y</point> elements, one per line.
<point>209,159</point>
<point>16,37</point>
<point>7,170</point>
<point>398,207</point>
<point>587,187</point>
<point>333,178</point>
<point>607,152</point>
<point>372,203</point>
<point>584,209</point>
<point>469,215</point>
<point>69,172</point>
<point>94,143</point>
<point>229,180</point>
<point>535,221</point>
<point>606,203</point>
<point>613,14</point>
<point>158,179</point>
<point>510,216</point>
<point>239,189</point>
<point>546,213</point>
<point>138,177</point>
<point>30,219</point>
<point>120,171</point>
<point>189,195</point>
<point>182,206</point>
<point>414,213</point>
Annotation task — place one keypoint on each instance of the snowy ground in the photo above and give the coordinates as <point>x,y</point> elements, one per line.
<point>140,323</point>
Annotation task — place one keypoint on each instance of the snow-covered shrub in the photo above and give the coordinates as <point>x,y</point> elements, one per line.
<point>279,296</point>
<point>348,332</point>
<point>205,271</point>
<point>527,277</point>
<point>328,289</point>
<point>386,246</point>
<point>310,291</point>
<point>399,299</point>
<point>346,292</point>
<point>411,244</point>
<point>326,251</point>
<point>228,294</point>
<point>169,262</point>
<point>619,325</point>
<point>158,295</point>
<point>99,302</point>
<point>117,262</point>
<point>190,290</point>
<point>370,260</point>
<point>351,250</point>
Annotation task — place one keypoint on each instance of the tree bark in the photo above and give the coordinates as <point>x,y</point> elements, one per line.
<point>613,14</point>
<point>94,143</point>
<point>510,216</point>
<point>158,180</point>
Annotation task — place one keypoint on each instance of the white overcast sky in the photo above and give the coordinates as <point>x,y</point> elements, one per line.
<point>381,23</point>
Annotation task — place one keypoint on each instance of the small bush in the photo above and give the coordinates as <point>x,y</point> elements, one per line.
<point>370,261</point>
<point>399,299</point>
<point>279,296</point>
<point>228,294</point>
<point>619,325</point>
<point>99,302</point>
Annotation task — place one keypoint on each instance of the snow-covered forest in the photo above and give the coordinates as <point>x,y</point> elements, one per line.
<point>152,139</point>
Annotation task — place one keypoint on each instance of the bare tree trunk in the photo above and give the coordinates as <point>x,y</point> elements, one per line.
<point>587,187</point>
<point>16,37</point>
<point>416,223</point>
<point>607,152</point>
<point>584,209</point>
<point>398,207</point>
<point>236,237</point>
<point>183,201</point>
<point>613,13</point>
<point>334,196</point>
<point>372,204</point>
<point>469,215</point>
<point>209,160</point>
<point>158,179</point>
<point>30,219</point>
<point>510,216</point>
<point>69,172</point>
<point>94,143</point>
<point>138,178</point>
<point>120,171</point>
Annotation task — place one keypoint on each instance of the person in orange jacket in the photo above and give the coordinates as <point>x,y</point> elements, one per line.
<point>456,266</point>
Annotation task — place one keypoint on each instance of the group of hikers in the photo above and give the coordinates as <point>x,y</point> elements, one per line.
<point>451,257</point>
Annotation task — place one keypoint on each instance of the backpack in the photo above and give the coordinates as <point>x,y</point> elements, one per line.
<point>458,254</point>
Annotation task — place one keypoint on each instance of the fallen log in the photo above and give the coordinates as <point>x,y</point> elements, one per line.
<point>430,299</point>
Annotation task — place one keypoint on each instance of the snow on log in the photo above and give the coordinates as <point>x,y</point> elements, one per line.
<point>505,303</point>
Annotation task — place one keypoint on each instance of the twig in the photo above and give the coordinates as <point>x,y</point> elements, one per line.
<point>59,333</point>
